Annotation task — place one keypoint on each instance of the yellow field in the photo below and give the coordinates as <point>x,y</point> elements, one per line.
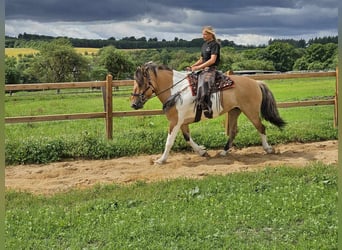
<point>28,51</point>
<point>20,51</point>
<point>87,50</point>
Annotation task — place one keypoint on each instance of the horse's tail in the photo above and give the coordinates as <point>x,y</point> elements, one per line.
<point>269,109</point>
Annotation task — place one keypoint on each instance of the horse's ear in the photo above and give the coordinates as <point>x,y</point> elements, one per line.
<point>138,76</point>
<point>137,72</point>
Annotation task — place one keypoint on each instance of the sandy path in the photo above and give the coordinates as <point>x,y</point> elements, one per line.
<point>63,176</point>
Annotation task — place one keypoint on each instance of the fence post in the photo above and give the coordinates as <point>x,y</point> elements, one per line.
<point>336,101</point>
<point>109,107</point>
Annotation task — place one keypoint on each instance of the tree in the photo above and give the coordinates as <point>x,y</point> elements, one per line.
<point>253,65</point>
<point>116,62</point>
<point>12,74</point>
<point>180,59</point>
<point>98,73</point>
<point>283,56</point>
<point>318,57</point>
<point>301,64</point>
<point>24,66</point>
<point>228,57</point>
<point>59,62</point>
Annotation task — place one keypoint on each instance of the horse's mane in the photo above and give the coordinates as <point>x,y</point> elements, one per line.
<point>143,71</point>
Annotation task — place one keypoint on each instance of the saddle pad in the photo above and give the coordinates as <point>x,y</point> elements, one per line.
<point>222,82</point>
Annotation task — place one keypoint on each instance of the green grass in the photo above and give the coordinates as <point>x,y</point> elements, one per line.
<point>52,141</point>
<point>277,208</point>
<point>303,89</point>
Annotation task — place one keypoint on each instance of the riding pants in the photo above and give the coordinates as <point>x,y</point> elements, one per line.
<point>206,79</point>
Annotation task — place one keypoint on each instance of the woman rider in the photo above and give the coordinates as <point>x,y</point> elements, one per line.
<point>208,62</point>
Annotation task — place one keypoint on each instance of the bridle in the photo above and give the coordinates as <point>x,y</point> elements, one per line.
<point>141,95</point>
<point>150,86</point>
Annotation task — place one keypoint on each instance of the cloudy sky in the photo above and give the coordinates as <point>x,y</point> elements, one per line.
<point>242,21</point>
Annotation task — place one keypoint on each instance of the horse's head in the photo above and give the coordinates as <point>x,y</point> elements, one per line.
<point>143,88</point>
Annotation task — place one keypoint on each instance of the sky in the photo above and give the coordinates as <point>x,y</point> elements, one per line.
<point>246,22</point>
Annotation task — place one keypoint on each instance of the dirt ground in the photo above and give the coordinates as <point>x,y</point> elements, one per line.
<point>63,176</point>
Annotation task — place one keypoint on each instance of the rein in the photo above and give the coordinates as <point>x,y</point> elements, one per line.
<point>150,85</point>
<point>163,91</point>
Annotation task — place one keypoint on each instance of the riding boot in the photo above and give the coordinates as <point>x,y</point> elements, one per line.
<point>206,106</point>
<point>206,102</point>
<point>203,94</point>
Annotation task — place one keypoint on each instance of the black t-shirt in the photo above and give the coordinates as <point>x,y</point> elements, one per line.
<point>211,48</point>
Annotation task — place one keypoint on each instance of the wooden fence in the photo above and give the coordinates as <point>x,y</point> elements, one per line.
<point>109,114</point>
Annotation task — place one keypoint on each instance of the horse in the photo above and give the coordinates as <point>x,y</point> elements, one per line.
<point>252,98</point>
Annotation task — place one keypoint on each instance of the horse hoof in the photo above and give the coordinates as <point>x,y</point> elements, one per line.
<point>223,153</point>
<point>203,153</point>
<point>159,162</point>
<point>270,151</point>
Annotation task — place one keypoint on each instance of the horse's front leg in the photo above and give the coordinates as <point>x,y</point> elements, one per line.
<point>201,150</point>
<point>173,130</point>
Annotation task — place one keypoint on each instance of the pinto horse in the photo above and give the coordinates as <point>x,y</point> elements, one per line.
<point>251,97</point>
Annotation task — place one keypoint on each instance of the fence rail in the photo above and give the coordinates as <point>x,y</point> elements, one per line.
<point>109,114</point>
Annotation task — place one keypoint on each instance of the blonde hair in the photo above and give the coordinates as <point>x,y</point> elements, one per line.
<point>210,30</point>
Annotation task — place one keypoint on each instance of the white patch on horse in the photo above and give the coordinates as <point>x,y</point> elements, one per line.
<point>187,100</point>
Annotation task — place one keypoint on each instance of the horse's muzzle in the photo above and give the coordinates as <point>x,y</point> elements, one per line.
<point>138,103</point>
<point>136,106</point>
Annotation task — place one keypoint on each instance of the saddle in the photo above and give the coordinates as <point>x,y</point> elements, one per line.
<point>222,82</point>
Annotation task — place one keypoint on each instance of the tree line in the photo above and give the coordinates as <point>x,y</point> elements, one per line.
<point>58,61</point>
<point>34,40</point>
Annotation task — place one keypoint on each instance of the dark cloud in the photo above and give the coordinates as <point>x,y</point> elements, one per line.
<point>234,17</point>
<point>74,10</point>
<point>78,10</point>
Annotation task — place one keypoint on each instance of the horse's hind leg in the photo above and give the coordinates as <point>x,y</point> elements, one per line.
<point>186,134</point>
<point>233,116</point>
<point>256,120</point>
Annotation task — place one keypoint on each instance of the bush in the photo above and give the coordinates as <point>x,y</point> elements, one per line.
<point>35,150</point>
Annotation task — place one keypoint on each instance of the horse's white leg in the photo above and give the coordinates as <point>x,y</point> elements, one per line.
<point>168,145</point>
<point>268,148</point>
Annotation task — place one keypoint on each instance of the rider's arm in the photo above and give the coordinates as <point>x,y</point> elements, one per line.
<point>200,65</point>
<point>200,61</point>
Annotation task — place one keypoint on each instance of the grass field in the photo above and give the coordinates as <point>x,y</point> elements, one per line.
<point>279,208</point>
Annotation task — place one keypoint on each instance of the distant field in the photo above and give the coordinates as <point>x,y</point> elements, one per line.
<point>87,50</point>
<point>28,51</point>
<point>20,51</point>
